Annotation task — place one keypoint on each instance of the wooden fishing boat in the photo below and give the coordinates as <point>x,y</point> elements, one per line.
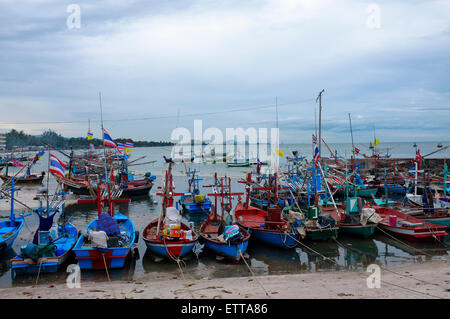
<point>25,179</point>
<point>236,163</point>
<point>9,229</point>
<point>52,244</point>
<point>120,242</point>
<point>214,229</point>
<point>192,201</point>
<point>351,225</point>
<point>408,227</point>
<point>325,223</point>
<point>157,236</point>
<point>80,186</point>
<point>265,226</point>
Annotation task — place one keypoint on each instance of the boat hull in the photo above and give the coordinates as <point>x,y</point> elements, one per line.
<point>171,249</point>
<point>196,208</point>
<point>98,258</point>
<point>274,238</point>
<point>24,181</point>
<point>233,252</point>
<point>7,242</point>
<point>358,230</point>
<point>22,266</point>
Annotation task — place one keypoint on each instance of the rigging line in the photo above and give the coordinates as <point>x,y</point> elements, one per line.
<point>391,271</point>
<point>165,116</point>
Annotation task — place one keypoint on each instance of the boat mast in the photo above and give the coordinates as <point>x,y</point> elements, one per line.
<point>48,176</point>
<point>104,148</point>
<point>351,133</point>
<point>319,98</point>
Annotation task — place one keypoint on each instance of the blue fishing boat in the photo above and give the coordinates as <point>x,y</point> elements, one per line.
<point>220,235</point>
<point>9,229</point>
<point>108,240</point>
<point>193,202</point>
<point>52,243</point>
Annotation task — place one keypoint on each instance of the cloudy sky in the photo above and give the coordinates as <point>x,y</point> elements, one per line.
<point>227,62</point>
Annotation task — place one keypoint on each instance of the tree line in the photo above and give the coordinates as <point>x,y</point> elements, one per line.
<point>16,139</point>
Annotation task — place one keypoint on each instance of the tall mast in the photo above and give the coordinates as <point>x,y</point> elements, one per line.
<point>319,98</point>
<point>48,175</point>
<point>104,148</point>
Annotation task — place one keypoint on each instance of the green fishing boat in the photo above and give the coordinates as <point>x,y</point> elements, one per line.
<point>238,164</point>
<point>359,230</point>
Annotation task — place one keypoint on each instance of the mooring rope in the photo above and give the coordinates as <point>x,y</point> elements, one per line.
<point>178,261</point>
<point>253,274</point>
<point>107,274</point>
<point>386,269</point>
<point>398,240</point>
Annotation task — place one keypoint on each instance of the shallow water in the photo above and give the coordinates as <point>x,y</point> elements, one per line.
<point>348,252</point>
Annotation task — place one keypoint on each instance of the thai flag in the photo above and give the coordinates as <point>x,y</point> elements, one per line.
<point>108,140</point>
<point>316,151</point>
<point>129,145</point>
<point>120,146</point>
<point>56,166</point>
<point>16,163</point>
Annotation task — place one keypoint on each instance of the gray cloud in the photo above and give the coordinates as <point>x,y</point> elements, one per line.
<point>155,58</point>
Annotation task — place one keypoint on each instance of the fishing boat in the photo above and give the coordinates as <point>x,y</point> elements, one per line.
<point>265,226</point>
<point>108,240</point>
<point>408,227</point>
<point>358,221</point>
<point>52,243</point>
<point>220,236</point>
<point>9,229</point>
<point>237,163</point>
<point>193,202</point>
<point>167,236</point>
<point>26,179</point>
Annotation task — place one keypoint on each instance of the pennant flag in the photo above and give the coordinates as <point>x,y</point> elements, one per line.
<point>38,156</point>
<point>357,150</point>
<point>418,157</point>
<point>56,166</point>
<point>108,140</point>
<point>90,135</point>
<point>280,152</point>
<point>376,142</point>
<point>16,163</point>
<point>129,147</point>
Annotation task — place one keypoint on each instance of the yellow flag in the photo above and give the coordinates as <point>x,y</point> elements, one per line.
<point>280,153</point>
<point>376,142</point>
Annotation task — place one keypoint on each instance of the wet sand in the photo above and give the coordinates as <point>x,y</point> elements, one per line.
<point>429,280</point>
<point>27,195</point>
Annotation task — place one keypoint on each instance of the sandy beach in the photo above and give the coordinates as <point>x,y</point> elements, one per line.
<point>429,280</point>
<point>27,196</point>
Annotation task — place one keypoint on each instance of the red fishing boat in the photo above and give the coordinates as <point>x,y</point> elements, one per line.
<point>265,226</point>
<point>167,236</point>
<point>409,227</point>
